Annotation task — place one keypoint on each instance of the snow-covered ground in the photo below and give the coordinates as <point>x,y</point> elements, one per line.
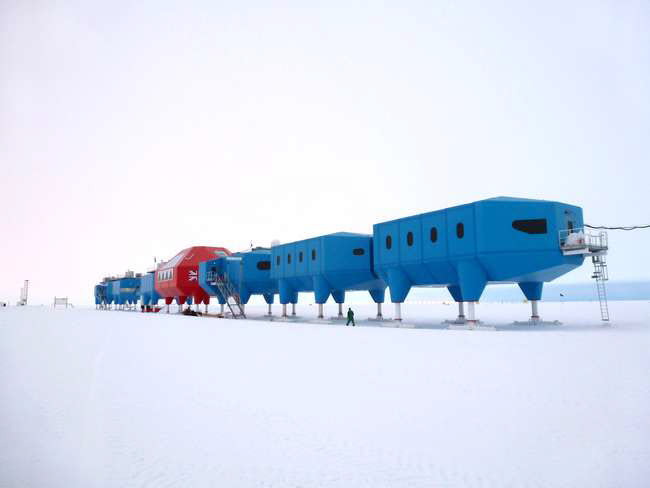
<point>90,398</point>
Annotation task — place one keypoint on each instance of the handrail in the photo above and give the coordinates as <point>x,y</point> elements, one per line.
<point>577,239</point>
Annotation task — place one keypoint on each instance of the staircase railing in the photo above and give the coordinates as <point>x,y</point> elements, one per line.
<point>580,242</point>
<point>228,292</point>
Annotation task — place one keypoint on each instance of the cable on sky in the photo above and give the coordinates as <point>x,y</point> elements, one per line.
<point>630,227</point>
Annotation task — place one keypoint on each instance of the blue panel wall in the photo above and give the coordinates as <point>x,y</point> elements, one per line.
<point>488,247</point>
<point>326,265</point>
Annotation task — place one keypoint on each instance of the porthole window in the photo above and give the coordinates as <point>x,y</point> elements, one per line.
<point>313,254</point>
<point>289,258</point>
<point>389,242</point>
<point>300,257</point>
<point>433,234</point>
<point>277,260</point>
<point>359,251</point>
<point>460,230</point>
<point>409,239</point>
<point>530,226</point>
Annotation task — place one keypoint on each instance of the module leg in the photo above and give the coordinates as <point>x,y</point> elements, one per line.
<point>206,309</point>
<point>340,310</point>
<point>534,318</point>
<point>320,310</point>
<point>379,315</point>
<point>398,311</point>
<point>284,310</point>
<point>471,317</point>
<point>270,311</point>
<point>461,312</point>
<point>223,308</point>
<point>293,309</point>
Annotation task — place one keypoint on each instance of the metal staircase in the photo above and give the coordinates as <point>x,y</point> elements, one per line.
<point>580,242</point>
<point>600,275</point>
<point>230,293</point>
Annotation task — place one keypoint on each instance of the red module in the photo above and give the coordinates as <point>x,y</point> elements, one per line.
<point>179,277</point>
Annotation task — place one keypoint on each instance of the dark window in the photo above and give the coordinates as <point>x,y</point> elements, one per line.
<point>264,265</point>
<point>570,226</point>
<point>277,260</point>
<point>409,238</point>
<point>313,254</point>
<point>358,251</point>
<point>289,258</point>
<point>389,242</point>
<point>460,230</point>
<point>531,226</point>
<point>433,234</point>
<point>300,256</point>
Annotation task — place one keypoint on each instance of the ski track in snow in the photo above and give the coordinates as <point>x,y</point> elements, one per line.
<point>104,398</point>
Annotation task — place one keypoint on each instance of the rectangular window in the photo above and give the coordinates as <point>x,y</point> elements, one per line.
<point>530,226</point>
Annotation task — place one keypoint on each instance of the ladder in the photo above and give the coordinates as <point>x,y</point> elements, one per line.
<point>228,291</point>
<point>601,276</point>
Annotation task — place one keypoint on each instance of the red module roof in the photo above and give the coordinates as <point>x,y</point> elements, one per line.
<point>179,277</point>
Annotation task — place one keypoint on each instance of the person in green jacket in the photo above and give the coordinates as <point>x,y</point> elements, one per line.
<point>350,317</point>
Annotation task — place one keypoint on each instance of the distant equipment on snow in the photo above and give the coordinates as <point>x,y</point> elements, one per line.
<point>63,301</point>
<point>23,294</point>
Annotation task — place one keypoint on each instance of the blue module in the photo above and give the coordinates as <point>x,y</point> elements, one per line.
<point>147,292</point>
<point>100,294</point>
<point>125,290</point>
<point>330,264</point>
<point>506,240</point>
<point>249,273</point>
<point>108,292</point>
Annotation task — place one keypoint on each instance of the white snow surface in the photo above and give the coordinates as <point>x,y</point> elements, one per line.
<point>119,399</point>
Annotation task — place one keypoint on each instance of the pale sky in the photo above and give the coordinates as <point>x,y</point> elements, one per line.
<point>134,130</point>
